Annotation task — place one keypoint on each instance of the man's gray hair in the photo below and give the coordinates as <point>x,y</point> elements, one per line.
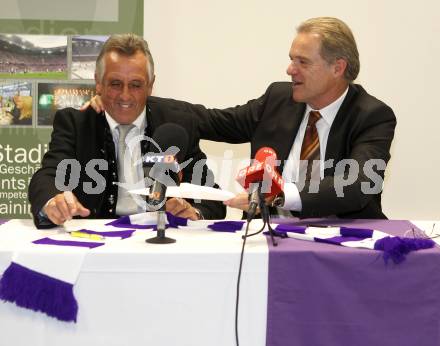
<point>125,44</point>
<point>337,42</point>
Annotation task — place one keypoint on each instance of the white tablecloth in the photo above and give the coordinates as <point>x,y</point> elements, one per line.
<point>134,293</point>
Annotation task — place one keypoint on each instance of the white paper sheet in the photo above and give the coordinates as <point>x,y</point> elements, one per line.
<point>187,190</point>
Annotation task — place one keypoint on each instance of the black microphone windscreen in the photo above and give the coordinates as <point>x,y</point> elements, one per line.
<point>171,135</point>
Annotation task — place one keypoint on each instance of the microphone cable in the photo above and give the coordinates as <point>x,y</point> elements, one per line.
<point>237,296</point>
<point>266,222</point>
<point>240,267</point>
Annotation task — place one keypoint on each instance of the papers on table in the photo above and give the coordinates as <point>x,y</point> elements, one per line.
<point>187,190</point>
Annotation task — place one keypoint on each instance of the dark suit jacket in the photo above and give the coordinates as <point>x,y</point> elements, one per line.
<point>85,136</point>
<point>362,130</point>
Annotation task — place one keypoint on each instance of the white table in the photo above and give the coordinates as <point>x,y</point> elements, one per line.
<point>133,293</point>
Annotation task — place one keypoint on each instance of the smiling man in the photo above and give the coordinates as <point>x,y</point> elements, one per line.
<point>125,86</point>
<point>332,137</point>
<point>90,154</point>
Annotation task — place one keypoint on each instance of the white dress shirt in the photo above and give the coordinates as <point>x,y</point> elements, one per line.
<point>292,200</point>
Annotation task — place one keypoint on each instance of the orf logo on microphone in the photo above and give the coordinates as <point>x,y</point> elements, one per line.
<point>275,178</point>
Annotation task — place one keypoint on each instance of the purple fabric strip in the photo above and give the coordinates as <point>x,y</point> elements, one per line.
<point>2,221</point>
<point>124,222</point>
<point>356,232</point>
<point>175,221</point>
<point>227,226</point>
<point>122,234</point>
<point>334,295</point>
<point>291,228</point>
<point>48,241</point>
<point>32,290</point>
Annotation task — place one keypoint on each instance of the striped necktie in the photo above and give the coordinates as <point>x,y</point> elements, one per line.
<point>310,148</point>
<point>309,153</point>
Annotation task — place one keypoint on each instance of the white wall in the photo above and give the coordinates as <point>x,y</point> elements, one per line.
<point>222,53</point>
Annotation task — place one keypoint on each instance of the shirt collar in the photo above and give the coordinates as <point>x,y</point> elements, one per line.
<point>328,113</point>
<point>140,121</point>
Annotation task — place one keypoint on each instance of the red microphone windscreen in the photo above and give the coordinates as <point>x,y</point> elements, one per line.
<point>262,170</point>
<point>264,153</point>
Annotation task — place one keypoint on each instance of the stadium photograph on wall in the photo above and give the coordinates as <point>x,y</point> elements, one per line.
<point>85,50</point>
<point>15,103</point>
<point>54,96</point>
<point>33,56</point>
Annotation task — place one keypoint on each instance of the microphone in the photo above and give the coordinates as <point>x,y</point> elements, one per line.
<point>161,165</point>
<point>260,179</point>
<point>170,143</point>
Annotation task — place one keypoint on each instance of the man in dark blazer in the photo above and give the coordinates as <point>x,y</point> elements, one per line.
<point>355,129</point>
<point>359,138</point>
<point>124,79</point>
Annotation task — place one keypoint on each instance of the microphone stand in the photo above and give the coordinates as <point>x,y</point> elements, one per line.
<point>160,238</point>
<point>265,216</point>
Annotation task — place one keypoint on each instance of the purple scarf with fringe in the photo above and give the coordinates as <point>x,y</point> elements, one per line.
<point>322,295</point>
<point>394,248</point>
<point>42,280</point>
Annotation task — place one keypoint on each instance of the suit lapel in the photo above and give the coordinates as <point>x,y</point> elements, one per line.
<point>278,128</point>
<point>149,131</point>
<point>104,138</point>
<point>291,120</point>
<point>338,128</point>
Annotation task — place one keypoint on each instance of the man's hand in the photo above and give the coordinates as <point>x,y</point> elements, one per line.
<point>95,102</point>
<point>241,201</point>
<point>180,207</point>
<point>63,207</point>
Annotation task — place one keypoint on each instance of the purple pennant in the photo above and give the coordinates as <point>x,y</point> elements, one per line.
<point>122,234</point>
<point>49,241</point>
<point>226,226</point>
<point>32,290</point>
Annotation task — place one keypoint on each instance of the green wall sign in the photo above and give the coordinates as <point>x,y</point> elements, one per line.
<point>48,49</point>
